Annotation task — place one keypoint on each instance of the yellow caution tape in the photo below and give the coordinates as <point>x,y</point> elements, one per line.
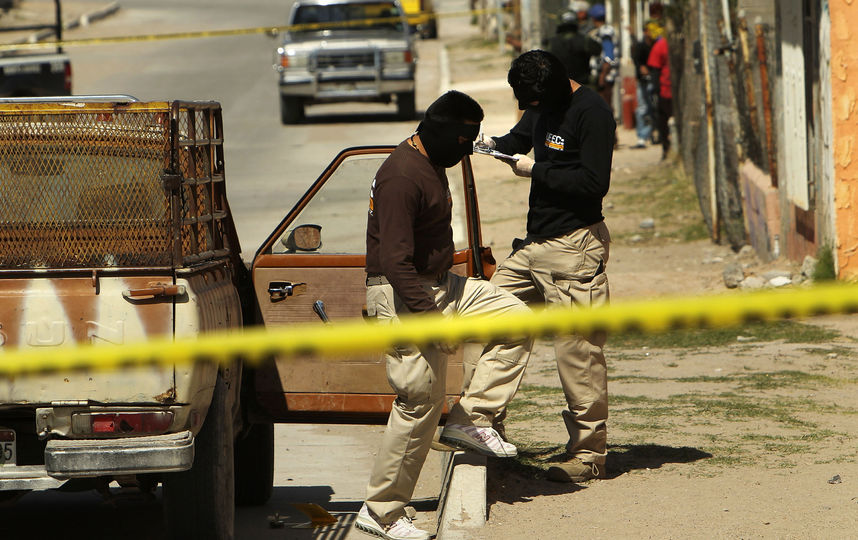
<point>255,345</point>
<point>272,30</point>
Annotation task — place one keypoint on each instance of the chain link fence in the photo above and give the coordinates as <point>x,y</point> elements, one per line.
<point>722,107</point>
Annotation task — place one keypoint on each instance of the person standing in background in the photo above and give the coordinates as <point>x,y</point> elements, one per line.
<point>646,89</point>
<point>573,48</point>
<point>606,67</point>
<point>579,8</point>
<point>659,64</point>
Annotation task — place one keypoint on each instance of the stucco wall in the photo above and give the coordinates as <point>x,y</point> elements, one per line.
<point>844,92</point>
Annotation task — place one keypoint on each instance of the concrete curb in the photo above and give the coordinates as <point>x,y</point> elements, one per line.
<point>82,20</point>
<point>96,15</point>
<point>462,503</point>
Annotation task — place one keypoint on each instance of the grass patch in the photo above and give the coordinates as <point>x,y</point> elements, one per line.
<point>821,435</point>
<point>819,351</point>
<point>624,355</point>
<point>781,379</point>
<point>725,407</point>
<point>785,449</point>
<point>692,232</point>
<point>788,331</point>
<point>705,379</point>
<point>824,269</point>
<point>666,195</point>
<point>729,455</point>
<point>762,437</point>
<point>767,380</point>
<point>532,391</point>
<point>638,426</point>
<point>634,378</point>
<point>735,408</point>
<point>619,399</point>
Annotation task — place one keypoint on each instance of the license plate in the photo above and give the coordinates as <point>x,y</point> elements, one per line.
<point>340,87</point>
<point>348,86</point>
<point>8,447</point>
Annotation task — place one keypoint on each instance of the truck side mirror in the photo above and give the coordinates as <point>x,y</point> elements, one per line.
<point>303,238</point>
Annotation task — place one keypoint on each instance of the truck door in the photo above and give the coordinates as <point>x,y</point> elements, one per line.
<point>317,253</point>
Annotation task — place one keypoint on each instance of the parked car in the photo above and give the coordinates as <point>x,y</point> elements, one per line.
<point>35,73</point>
<point>421,17</point>
<point>345,50</point>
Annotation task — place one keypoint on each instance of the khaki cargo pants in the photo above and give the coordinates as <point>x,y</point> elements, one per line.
<point>418,376</point>
<point>569,271</point>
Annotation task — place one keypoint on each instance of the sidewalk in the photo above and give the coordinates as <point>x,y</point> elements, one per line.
<point>35,12</point>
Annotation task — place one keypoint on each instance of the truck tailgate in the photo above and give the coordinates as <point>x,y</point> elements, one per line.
<point>51,312</point>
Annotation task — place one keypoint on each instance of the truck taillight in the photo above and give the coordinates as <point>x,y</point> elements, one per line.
<point>284,60</point>
<point>130,423</point>
<point>408,57</point>
<point>68,78</point>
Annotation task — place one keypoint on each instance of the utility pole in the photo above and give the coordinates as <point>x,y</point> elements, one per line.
<point>501,33</point>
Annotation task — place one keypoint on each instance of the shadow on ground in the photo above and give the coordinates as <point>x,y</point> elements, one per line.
<point>519,480</point>
<point>623,458</point>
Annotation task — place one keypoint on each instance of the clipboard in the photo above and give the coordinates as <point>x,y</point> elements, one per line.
<point>494,153</point>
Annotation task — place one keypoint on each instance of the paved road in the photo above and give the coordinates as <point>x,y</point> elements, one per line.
<point>268,166</point>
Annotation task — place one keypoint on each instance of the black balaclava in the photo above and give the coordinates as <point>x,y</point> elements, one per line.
<point>441,140</point>
<point>528,82</point>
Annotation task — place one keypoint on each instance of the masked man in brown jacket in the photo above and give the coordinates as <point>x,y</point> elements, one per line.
<point>408,258</point>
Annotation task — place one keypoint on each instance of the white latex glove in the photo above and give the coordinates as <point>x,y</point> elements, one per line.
<point>521,166</point>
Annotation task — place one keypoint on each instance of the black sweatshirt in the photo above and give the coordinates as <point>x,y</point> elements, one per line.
<point>573,150</point>
<point>408,231</point>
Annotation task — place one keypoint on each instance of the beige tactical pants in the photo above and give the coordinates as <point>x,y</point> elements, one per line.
<point>569,271</point>
<point>418,376</point>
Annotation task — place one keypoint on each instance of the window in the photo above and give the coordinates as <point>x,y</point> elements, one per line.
<point>340,207</point>
<point>339,14</point>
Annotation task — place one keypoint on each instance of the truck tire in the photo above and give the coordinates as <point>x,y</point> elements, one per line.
<point>291,110</point>
<point>200,503</point>
<point>254,466</point>
<point>431,29</point>
<point>405,107</point>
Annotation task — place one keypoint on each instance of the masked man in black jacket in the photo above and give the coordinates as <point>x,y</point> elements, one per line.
<point>563,259</point>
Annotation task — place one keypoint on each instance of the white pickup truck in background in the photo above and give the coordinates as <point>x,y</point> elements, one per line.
<point>345,50</point>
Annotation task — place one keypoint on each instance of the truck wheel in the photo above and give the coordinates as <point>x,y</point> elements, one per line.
<point>291,110</point>
<point>254,466</point>
<point>199,503</point>
<point>405,107</point>
<point>431,29</point>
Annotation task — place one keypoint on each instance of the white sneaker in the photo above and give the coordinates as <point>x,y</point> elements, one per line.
<point>401,529</point>
<point>483,440</point>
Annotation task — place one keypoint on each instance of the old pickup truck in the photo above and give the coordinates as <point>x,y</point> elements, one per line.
<point>345,50</point>
<point>115,227</point>
<point>35,73</point>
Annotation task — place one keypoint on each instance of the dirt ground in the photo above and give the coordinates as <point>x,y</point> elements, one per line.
<point>741,433</point>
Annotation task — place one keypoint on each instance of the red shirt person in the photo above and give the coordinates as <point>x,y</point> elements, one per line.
<point>660,62</point>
